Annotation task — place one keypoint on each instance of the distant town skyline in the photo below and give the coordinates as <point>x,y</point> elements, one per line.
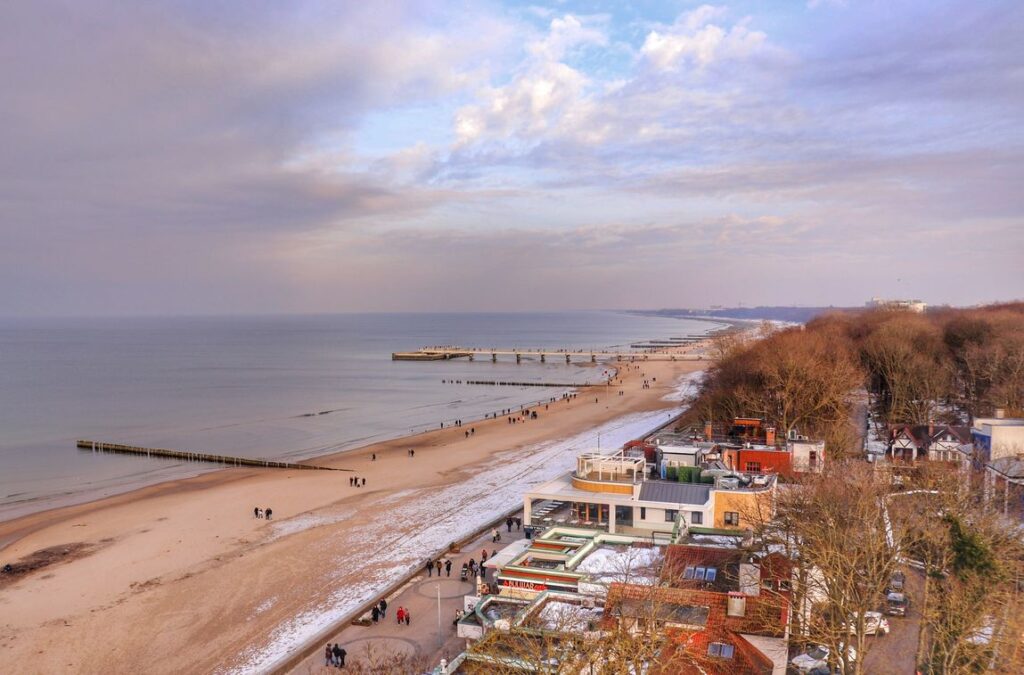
<point>239,157</point>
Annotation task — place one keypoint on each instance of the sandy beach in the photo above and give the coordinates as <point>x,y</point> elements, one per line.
<point>180,577</point>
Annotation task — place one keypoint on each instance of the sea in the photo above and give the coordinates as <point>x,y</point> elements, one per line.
<point>275,387</point>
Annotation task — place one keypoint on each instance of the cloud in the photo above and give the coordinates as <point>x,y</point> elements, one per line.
<point>694,40</point>
<point>315,156</point>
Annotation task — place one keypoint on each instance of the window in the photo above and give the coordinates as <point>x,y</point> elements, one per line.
<point>732,518</point>
<point>696,517</point>
<point>712,573</point>
<point>670,515</point>
<point>698,574</point>
<point>688,572</point>
<point>754,466</point>
<point>721,650</point>
<point>643,513</point>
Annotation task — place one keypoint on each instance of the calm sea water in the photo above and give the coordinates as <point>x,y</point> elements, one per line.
<point>245,386</point>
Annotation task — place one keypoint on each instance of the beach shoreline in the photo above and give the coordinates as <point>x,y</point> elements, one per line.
<point>157,555</point>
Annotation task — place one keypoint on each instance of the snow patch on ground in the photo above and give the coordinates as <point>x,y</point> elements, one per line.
<point>265,605</point>
<point>686,386</point>
<point>443,516</point>
<point>307,521</point>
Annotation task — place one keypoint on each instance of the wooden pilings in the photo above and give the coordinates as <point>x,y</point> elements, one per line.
<point>97,446</point>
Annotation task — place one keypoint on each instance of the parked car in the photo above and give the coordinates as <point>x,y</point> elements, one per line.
<point>874,624</point>
<point>897,583</point>
<point>897,604</point>
<point>816,659</point>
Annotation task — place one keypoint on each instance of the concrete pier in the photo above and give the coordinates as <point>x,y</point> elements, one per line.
<point>652,352</point>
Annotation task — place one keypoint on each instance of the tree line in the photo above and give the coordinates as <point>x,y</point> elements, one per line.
<point>949,365</point>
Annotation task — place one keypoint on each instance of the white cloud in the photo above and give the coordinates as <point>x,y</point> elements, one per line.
<point>693,39</point>
<point>543,95</point>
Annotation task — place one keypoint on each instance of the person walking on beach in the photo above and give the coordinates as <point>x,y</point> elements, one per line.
<point>400,615</point>
<point>328,655</point>
<point>448,567</point>
<point>437,565</point>
<point>508,523</point>
<point>256,512</point>
<point>407,616</point>
<point>364,482</point>
<point>373,457</point>
<point>375,613</point>
<point>383,605</point>
<point>430,567</point>
<point>269,513</point>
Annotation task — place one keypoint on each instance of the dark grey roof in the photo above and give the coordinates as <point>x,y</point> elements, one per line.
<point>1011,467</point>
<point>674,493</point>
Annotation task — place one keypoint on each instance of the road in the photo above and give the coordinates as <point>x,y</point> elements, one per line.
<point>894,653</point>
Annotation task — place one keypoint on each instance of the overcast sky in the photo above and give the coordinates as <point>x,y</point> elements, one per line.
<point>207,157</point>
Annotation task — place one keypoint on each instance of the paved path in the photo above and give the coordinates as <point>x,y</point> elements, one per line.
<point>421,637</point>
<point>894,654</point>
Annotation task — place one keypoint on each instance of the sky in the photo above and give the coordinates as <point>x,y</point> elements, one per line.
<point>200,157</point>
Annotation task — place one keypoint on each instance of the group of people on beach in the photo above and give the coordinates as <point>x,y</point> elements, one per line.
<point>510,521</point>
<point>263,513</point>
<point>355,481</point>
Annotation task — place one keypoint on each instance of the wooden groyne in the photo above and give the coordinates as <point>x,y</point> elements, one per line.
<point>497,383</point>
<point>226,460</point>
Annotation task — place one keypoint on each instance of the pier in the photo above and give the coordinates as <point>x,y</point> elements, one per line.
<point>97,446</point>
<point>656,353</point>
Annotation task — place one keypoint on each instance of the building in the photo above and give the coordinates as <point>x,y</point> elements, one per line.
<point>916,306</point>
<point>935,442</point>
<point>617,493</point>
<point>722,611</point>
<point>995,437</point>
<point>1004,484</point>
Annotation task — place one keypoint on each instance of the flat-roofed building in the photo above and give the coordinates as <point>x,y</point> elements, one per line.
<point>616,493</point>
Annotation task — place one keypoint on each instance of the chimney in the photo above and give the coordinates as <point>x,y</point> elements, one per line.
<point>931,427</point>
<point>708,430</point>
<point>769,435</point>
<point>999,413</point>
<point>736,605</point>
<point>750,578</point>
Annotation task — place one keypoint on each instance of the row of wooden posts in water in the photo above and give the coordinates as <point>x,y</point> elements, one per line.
<point>226,460</point>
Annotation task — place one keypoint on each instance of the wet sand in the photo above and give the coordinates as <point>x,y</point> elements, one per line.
<point>180,577</point>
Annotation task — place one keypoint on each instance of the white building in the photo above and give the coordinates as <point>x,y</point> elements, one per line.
<point>616,493</point>
<point>916,306</point>
<point>995,437</point>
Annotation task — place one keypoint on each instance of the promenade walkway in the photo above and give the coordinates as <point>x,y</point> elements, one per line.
<point>421,638</point>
